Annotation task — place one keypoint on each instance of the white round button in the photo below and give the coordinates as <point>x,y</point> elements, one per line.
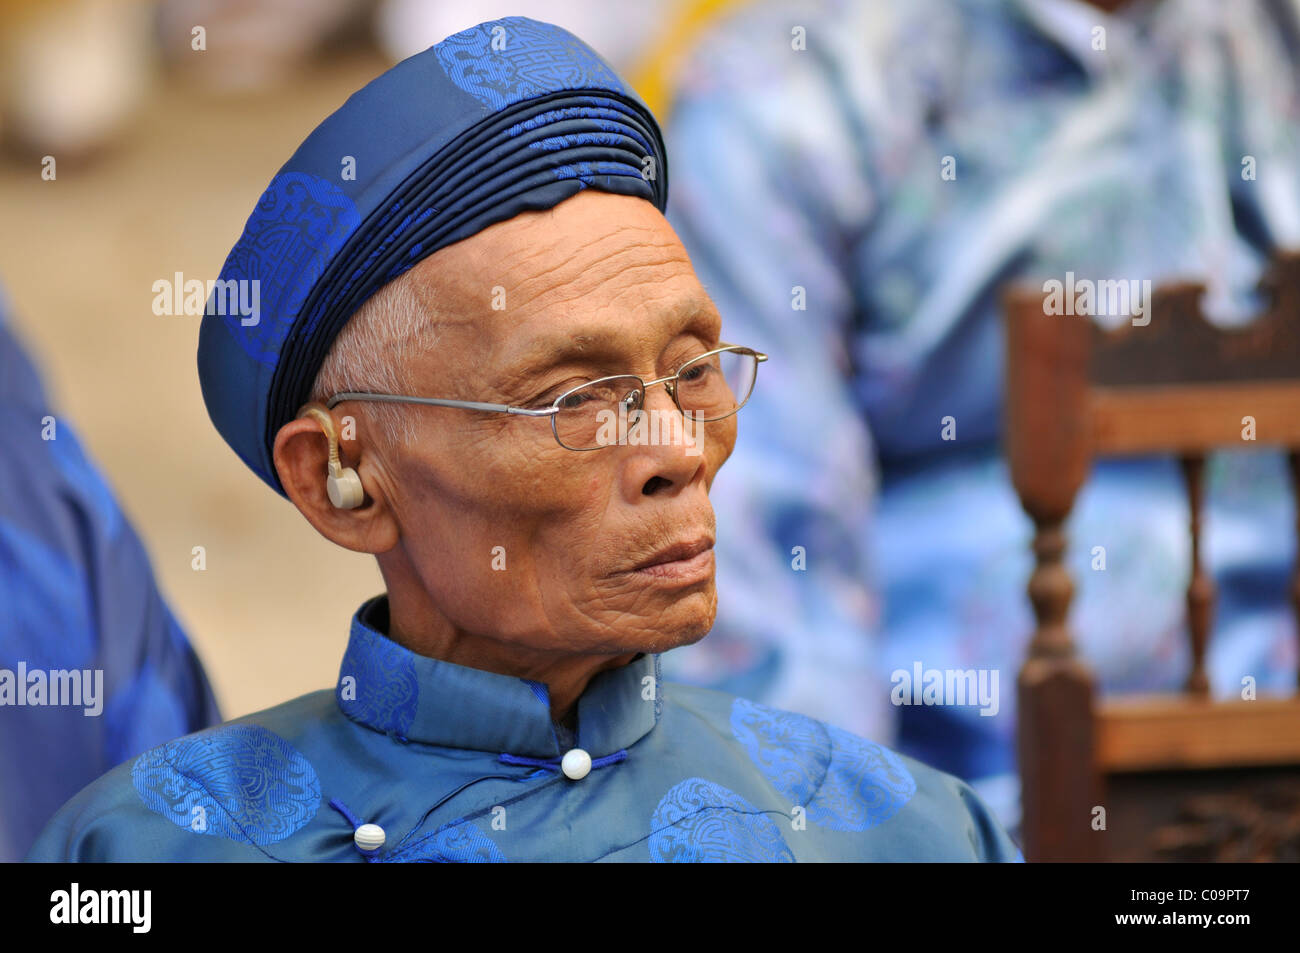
<point>576,764</point>
<point>369,837</point>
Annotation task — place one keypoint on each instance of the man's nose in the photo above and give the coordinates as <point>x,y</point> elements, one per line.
<point>672,459</point>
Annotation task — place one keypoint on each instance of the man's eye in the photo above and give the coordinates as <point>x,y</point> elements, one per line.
<point>695,372</point>
<point>575,400</point>
<point>548,397</point>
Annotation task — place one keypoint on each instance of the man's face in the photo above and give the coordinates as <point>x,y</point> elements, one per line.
<point>513,536</point>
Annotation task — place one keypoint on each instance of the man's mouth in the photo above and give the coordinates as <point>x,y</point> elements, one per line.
<point>684,561</point>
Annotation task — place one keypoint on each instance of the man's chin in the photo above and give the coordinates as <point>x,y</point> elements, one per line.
<point>681,626</point>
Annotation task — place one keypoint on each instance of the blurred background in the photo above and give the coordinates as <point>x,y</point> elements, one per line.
<point>855,183</point>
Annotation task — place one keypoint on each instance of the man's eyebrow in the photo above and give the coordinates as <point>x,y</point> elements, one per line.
<point>592,343</point>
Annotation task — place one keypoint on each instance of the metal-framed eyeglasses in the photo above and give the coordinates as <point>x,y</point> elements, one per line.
<point>711,386</point>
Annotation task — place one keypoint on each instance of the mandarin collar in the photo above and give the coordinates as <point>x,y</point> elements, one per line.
<point>411,697</point>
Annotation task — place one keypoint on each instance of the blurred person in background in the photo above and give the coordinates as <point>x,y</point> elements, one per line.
<point>94,668</point>
<point>72,72</point>
<point>405,27</point>
<point>854,182</point>
<point>252,44</point>
<point>75,73</point>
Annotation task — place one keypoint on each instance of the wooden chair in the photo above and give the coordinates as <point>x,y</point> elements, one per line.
<point>1179,776</point>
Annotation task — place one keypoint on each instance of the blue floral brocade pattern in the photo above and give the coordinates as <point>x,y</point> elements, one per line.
<point>699,821</point>
<point>241,782</point>
<point>299,224</point>
<point>844,782</point>
<point>385,691</point>
<point>512,59</point>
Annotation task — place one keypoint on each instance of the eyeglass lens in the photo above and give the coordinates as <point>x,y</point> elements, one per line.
<point>711,387</point>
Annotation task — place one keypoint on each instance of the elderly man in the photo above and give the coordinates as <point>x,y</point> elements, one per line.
<point>439,347</point>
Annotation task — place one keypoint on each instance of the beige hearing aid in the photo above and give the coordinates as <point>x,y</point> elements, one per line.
<point>343,485</point>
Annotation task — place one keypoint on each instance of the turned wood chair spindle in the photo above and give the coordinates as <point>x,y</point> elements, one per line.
<point>1175,385</point>
<point>1200,585</point>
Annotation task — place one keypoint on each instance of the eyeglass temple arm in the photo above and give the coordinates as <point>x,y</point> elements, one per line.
<point>758,355</point>
<point>440,402</point>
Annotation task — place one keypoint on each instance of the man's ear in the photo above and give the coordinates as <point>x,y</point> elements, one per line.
<point>301,456</point>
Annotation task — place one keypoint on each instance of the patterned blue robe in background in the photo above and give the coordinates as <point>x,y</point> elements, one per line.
<point>1172,152</point>
<point>76,593</point>
<point>459,764</point>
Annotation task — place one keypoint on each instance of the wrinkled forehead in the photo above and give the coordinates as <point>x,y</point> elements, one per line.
<point>596,268</point>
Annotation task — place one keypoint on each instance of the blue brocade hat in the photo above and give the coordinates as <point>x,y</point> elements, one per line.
<point>506,117</point>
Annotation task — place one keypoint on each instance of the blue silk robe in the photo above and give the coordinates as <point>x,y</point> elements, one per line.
<point>78,595</point>
<point>458,764</point>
